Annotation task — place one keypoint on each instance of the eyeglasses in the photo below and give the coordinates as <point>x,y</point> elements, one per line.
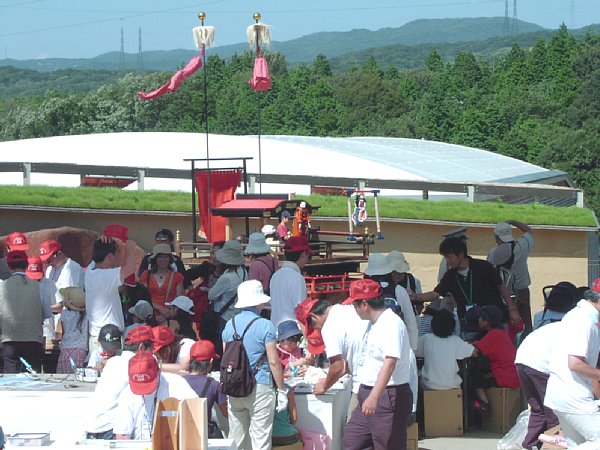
<point>161,238</point>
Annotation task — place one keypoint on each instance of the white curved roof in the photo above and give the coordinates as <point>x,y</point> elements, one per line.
<point>356,157</point>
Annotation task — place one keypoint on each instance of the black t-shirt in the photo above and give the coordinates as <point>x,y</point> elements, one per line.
<point>480,287</point>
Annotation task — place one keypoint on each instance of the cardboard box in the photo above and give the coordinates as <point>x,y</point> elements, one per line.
<point>554,432</point>
<point>443,412</point>
<point>505,406</point>
<point>412,437</point>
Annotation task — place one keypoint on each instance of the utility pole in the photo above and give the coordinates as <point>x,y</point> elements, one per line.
<point>140,54</point>
<point>122,53</point>
<point>506,29</point>
<point>515,22</point>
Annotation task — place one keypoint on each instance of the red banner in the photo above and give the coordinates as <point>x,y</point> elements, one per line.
<point>223,184</point>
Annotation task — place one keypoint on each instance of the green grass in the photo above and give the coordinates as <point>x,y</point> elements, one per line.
<point>330,206</point>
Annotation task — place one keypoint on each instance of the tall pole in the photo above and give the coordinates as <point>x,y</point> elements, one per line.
<point>202,16</point>
<point>257,18</point>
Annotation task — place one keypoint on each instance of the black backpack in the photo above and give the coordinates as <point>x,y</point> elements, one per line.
<point>237,377</point>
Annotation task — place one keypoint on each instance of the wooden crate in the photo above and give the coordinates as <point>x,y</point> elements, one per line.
<point>505,406</point>
<point>443,412</point>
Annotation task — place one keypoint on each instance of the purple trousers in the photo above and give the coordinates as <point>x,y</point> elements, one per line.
<point>541,417</point>
<point>386,429</point>
<point>30,351</point>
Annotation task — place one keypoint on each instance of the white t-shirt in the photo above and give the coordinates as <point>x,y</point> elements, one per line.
<point>343,333</point>
<point>114,379</point>
<point>567,391</point>
<point>536,349</point>
<point>387,337</point>
<point>133,409</point>
<point>440,370</point>
<point>70,274</point>
<point>288,289</point>
<point>409,316</point>
<point>102,300</point>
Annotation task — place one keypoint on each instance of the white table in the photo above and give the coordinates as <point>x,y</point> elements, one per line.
<point>325,414</point>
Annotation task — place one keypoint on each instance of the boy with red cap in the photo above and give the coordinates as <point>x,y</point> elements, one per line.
<point>21,316</point>
<point>14,241</point>
<point>35,271</point>
<point>384,397</point>
<point>134,417</point>
<point>62,270</point>
<point>202,355</point>
<point>114,380</point>
<point>287,286</point>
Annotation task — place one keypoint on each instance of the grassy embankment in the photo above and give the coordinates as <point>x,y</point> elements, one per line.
<point>330,206</point>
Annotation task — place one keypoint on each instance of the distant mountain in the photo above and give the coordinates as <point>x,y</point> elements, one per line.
<point>411,40</point>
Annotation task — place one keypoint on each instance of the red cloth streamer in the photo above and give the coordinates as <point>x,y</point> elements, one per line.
<point>222,187</point>
<point>192,66</point>
<point>261,80</point>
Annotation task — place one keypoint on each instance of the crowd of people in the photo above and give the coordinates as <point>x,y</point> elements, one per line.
<point>158,330</point>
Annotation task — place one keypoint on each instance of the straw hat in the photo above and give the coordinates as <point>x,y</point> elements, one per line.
<point>161,249</point>
<point>73,298</point>
<point>231,253</point>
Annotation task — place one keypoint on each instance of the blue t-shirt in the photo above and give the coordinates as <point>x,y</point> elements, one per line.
<point>259,334</point>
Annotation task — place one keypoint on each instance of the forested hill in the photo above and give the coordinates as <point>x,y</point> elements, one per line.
<point>538,104</point>
<point>304,49</point>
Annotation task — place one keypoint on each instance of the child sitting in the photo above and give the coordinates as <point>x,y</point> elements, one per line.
<point>202,355</point>
<point>110,344</point>
<point>495,367</point>
<point>290,353</point>
<point>440,351</point>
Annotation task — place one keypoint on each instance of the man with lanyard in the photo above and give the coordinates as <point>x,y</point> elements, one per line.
<point>471,282</point>
<point>384,398</point>
<point>137,403</point>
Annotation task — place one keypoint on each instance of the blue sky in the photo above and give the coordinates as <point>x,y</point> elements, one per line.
<point>68,28</point>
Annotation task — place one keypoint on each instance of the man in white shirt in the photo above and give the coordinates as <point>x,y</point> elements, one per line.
<point>134,417</point>
<point>113,381</point>
<point>102,281</point>
<point>385,399</point>
<point>533,367</point>
<point>287,286</point>
<point>61,269</point>
<point>573,368</point>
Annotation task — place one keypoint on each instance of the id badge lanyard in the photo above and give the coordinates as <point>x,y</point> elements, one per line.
<point>148,421</point>
<point>469,296</point>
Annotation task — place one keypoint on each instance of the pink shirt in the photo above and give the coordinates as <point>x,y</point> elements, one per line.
<point>282,231</point>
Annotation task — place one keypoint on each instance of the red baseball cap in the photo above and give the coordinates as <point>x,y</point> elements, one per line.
<point>363,290</point>
<point>596,285</point>
<point>143,373</point>
<point>49,248</point>
<point>35,268</point>
<point>297,244</point>
<point>316,346</point>
<point>140,334</point>
<point>203,351</point>
<point>17,241</point>
<point>16,256</point>
<point>116,231</point>
<point>163,336</point>
<point>315,341</point>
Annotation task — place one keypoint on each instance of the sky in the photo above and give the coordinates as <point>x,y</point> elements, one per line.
<point>36,29</point>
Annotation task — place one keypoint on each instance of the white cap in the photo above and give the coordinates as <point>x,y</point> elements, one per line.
<point>504,232</point>
<point>184,303</point>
